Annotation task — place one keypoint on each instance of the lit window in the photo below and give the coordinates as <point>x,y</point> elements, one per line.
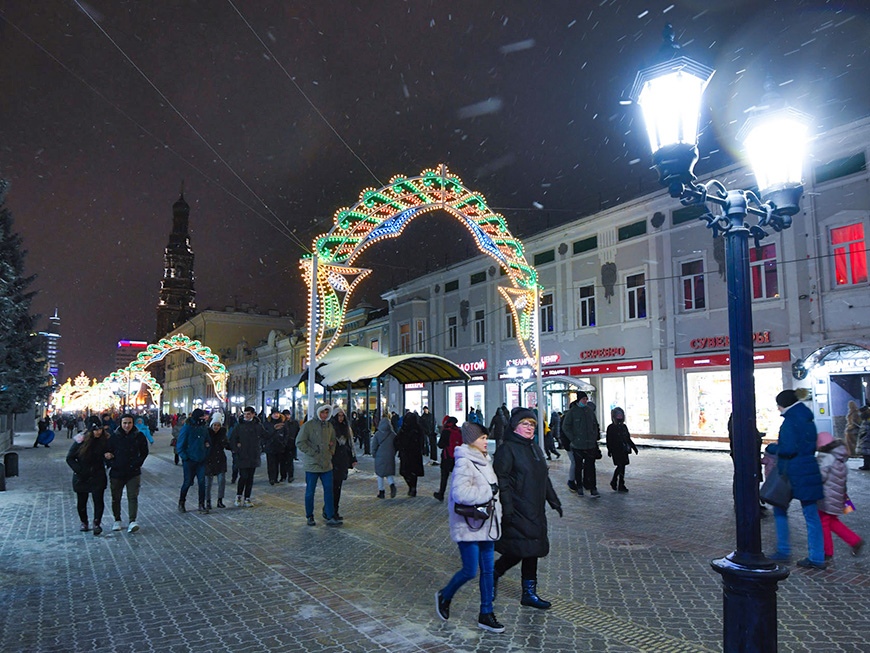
<point>850,257</point>
<point>509,327</point>
<point>765,273</point>
<point>405,338</point>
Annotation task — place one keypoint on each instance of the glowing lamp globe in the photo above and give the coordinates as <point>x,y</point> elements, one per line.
<point>669,94</point>
<point>775,143</point>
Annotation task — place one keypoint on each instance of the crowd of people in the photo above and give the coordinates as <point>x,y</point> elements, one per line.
<point>496,504</point>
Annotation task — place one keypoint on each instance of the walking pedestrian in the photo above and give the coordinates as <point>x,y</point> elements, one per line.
<point>216,460</point>
<point>795,458</point>
<point>619,447</point>
<point>409,444</point>
<point>87,459</point>
<point>246,442</point>
<point>525,490</point>
<point>474,484</point>
<point>316,443</point>
<point>864,437</point>
<point>581,427</point>
<point>384,452</point>
<point>126,451</point>
<point>275,444</point>
<point>832,456</point>
<point>286,467</point>
<point>192,447</point>
<point>427,421</point>
<point>142,426</point>
<point>343,459</point>
<point>177,425</point>
<point>450,439</point>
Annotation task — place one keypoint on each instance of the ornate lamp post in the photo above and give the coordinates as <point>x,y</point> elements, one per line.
<point>669,94</point>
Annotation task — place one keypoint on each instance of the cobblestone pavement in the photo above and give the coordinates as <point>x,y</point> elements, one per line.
<point>627,572</point>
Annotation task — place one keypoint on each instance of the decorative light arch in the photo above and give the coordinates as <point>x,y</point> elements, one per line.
<point>384,213</point>
<point>124,376</point>
<point>217,371</point>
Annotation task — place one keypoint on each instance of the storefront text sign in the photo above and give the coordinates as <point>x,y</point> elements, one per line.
<point>626,367</point>
<point>547,359</point>
<point>723,342</point>
<point>474,366</point>
<point>722,360</point>
<point>604,352</point>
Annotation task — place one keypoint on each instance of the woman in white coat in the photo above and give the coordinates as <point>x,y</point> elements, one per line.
<point>474,484</point>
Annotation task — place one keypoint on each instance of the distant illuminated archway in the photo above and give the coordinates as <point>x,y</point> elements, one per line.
<point>384,213</point>
<point>217,371</point>
<point>125,377</point>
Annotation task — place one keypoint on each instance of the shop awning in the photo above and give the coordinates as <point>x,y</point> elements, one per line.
<point>837,351</point>
<point>358,366</point>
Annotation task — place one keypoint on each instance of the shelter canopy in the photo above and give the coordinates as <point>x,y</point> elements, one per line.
<point>359,365</point>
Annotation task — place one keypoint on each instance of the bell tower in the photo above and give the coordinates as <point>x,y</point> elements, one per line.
<point>177,297</point>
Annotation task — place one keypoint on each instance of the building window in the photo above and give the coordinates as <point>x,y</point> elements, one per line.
<point>765,275</point>
<point>692,278</point>
<point>850,257</point>
<point>452,331</point>
<point>510,330</point>
<point>635,295</point>
<point>545,257</point>
<point>586,306</point>
<point>450,286</point>
<point>376,344</point>
<point>479,327</point>
<point>547,317</point>
<point>585,245</point>
<point>420,334</point>
<point>405,338</point>
<point>477,277</point>
<point>632,230</point>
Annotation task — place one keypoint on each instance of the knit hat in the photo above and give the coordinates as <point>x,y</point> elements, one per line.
<point>471,432</point>
<point>519,413</point>
<point>217,418</point>
<point>197,415</point>
<point>786,398</point>
<point>449,419</point>
<point>94,423</point>
<point>617,413</point>
<point>823,438</point>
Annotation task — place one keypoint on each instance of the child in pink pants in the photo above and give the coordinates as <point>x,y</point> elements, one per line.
<point>832,456</point>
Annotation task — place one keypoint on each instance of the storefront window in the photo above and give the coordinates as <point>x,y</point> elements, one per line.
<point>631,393</point>
<point>416,399</point>
<point>709,401</point>
<point>456,400</point>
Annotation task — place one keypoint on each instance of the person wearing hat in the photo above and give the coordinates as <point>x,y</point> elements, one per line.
<point>795,451</point>
<point>275,444</point>
<point>525,490</point>
<point>581,427</point>
<point>246,442</point>
<point>474,484</point>
<point>193,444</point>
<point>86,458</point>
<point>216,461</point>
<point>451,437</point>
<point>832,456</point>
<point>316,442</point>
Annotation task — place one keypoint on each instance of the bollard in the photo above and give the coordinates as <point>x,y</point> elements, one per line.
<point>10,461</point>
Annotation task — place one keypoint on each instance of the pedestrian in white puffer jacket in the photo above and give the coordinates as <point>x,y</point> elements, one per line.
<point>832,456</point>
<point>474,484</point>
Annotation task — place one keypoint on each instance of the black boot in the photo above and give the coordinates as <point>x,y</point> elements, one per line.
<point>202,508</point>
<point>181,501</point>
<point>392,490</point>
<point>530,596</point>
<point>381,494</point>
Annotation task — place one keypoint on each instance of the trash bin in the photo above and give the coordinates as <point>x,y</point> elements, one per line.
<point>10,461</point>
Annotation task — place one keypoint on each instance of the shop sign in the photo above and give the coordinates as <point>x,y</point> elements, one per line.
<point>604,352</point>
<point>415,386</point>
<point>474,378</point>
<point>611,368</point>
<point>548,359</point>
<point>723,342</point>
<point>555,371</point>
<point>847,365</point>
<point>723,360</point>
<point>475,366</point>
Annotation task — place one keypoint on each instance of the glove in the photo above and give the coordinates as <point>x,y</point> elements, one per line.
<point>635,450</point>
<point>559,510</point>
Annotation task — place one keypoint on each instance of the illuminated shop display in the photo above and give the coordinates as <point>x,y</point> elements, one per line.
<point>384,213</point>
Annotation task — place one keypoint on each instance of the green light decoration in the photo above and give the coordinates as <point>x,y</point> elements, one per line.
<point>125,377</point>
<point>217,371</point>
<point>384,213</point>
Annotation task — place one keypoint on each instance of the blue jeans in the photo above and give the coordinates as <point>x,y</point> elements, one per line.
<point>815,541</point>
<point>474,555</point>
<point>192,468</point>
<point>310,484</point>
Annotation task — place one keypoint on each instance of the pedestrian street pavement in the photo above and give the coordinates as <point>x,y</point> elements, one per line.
<point>626,572</point>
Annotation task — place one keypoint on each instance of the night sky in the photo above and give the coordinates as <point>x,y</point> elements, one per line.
<point>275,114</point>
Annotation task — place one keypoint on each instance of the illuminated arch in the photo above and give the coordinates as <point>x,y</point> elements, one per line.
<point>124,376</point>
<point>384,213</point>
<point>217,371</point>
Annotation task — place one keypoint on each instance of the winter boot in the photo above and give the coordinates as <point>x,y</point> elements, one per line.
<point>208,505</point>
<point>220,503</point>
<point>181,501</point>
<point>202,509</point>
<point>381,494</point>
<point>530,596</point>
<point>392,490</point>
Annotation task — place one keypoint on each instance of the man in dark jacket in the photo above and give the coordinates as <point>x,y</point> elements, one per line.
<point>246,442</point>
<point>192,447</point>
<point>275,444</point>
<point>581,427</point>
<point>126,452</point>
<point>499,423</point>
<point>427,421</point>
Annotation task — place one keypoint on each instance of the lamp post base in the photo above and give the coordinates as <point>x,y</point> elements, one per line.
<point>749,603</point>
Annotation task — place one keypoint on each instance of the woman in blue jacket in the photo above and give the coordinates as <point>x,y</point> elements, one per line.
<point>796,458</point>
<point>192,447</point>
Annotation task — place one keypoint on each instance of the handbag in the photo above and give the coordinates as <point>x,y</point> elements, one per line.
<point>481,511</point>
<point>776,489</point>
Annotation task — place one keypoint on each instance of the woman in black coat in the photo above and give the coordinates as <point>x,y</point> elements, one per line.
<point>344,457</point>
<point>87,459</point>
<point>216,460</point>
<point>524,490</point>
<point>409,445</point>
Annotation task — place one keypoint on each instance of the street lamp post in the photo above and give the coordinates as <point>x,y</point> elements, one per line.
<point>669,94</point>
